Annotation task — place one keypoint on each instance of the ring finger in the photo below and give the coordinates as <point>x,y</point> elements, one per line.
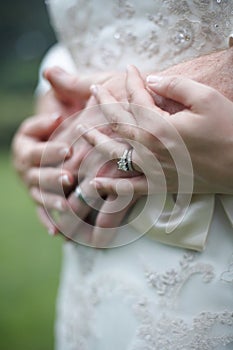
<point>50,179</point>
<point>81,203</point>
<point>111,148</point>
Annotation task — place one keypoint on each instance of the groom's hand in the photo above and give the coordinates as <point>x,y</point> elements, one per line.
<point>214,69</point>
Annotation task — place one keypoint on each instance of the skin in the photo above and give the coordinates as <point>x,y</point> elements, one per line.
<point>211,69</point>
<point>35,140</point>
<point>206,133</point>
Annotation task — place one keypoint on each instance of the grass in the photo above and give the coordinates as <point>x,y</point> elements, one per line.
<point>15,107</point>
<point>29,269</point>
<point>17,84</point>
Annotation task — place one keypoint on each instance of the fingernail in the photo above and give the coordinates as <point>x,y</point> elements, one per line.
<point>59,205</point>
<point>65,152</point>
<point>129,67</point>
<point>94,89</point>
<point>58,70</point>
<point>52,231</point>
<point>81,128</point>
<point>65,180</point>
<point>33,191</point>
<point>56,116</point>
<point>153,79</point>
<point>96,184</point>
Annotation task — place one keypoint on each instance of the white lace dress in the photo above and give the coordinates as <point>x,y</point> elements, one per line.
<point>147,295</point>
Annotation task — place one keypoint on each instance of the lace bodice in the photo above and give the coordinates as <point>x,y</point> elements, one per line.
<point>163,302</point>
<point>150,34</point>
<point>147,295</point>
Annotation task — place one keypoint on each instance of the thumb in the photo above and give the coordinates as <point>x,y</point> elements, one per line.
<point>183,90</point>
<point>70,87</point>
<point>66,86</point>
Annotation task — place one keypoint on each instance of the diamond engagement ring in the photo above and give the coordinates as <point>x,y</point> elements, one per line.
<point>125,162</point>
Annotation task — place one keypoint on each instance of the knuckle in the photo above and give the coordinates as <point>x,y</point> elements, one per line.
<point>114,126</point>
<point>30,157</point>
<point>73,84</point>
<point>113,154</point>
<point>114,114</point>
<point>30,175</point>
<point>209,97</point>
<point>130,131</point>
<point>103,221</point>
<point>26,125</point>
<point>172,84</point>
<point>25,159</point>
<point>132,95</point>
<point>27,179</point>
<point>114,118</point>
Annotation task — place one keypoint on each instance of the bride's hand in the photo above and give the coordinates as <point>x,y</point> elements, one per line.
<point>91,218</point>
<point>85,164</point>
<point>202,133</point>
<point>35,140</point>
<point>35,159</point>
<point>36,152</point>
<point>92,116</point>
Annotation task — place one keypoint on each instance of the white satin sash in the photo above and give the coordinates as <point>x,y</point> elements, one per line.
<point>192,230</point>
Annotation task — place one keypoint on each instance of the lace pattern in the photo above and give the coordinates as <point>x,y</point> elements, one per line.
<point>159,324</point>
<point>159,31</point>
<point>155,33</point>
<point>169,283</point>
<point>227,276</point>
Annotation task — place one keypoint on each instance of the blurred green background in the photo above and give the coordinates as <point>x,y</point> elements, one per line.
<point>29,258</point>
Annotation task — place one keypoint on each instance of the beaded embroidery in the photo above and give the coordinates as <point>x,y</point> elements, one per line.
<point>158,33</point>
<point>163,32</point>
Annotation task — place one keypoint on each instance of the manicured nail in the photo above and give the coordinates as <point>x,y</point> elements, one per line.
<point>59,70</point>
<point>153,79</point>
<point>55,72</point>
<point>34,191</point>
<point>52,231</point>
<point>65,152</point>
<point>59,205</point>
<point>94,89</point>
<point>129,67</point>
<point>81,128</point>
<point>56,116</point>
<point>65,180</point>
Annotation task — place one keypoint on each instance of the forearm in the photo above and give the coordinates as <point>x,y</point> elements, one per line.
<point>215,69</point>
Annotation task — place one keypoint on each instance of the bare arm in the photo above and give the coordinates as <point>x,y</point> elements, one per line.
<point>215,70</point>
